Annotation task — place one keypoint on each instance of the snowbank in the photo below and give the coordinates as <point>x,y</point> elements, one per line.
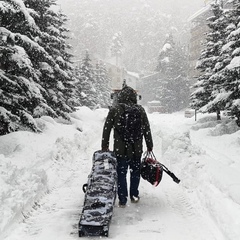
<point>32,164</point>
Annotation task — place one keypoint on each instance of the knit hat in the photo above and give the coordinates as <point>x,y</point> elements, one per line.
<point>127,95</point>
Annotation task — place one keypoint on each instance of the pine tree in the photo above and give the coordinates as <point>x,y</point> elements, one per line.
<point>231,72</point>
<point>57,77</point>
<point>210,63</point>
<point>172,89</point>
<point>86,83</point>
<point>34,78</point>
<point>117,47</point>
<point>102,85</point>
<point>19,82</point>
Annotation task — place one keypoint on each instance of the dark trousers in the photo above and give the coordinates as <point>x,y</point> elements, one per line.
<point>122,168</point>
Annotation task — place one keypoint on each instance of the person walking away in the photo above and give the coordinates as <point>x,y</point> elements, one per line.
<point>130,124</point>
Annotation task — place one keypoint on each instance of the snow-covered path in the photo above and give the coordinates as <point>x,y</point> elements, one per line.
<point>201,207</point>
<point>165,212</point>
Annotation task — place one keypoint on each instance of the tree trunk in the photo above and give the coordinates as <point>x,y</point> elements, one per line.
<point>238,121</point>
<point>218,115</point>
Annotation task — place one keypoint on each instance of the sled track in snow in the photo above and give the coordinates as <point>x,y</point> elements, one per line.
<point>187,206</point>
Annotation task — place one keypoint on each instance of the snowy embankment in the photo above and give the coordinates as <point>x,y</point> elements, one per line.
<point>32,164</point>
<point>203,154</point>
<point>206,156</point>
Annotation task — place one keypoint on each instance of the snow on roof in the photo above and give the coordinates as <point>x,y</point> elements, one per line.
<point>134,74</point>
<point>150,75</point>
<point>199,13</point>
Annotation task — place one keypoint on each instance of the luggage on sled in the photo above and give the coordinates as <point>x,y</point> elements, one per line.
<point>152,170</point>
<point>100,194</point>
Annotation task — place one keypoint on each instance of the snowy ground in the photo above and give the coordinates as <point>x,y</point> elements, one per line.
<point>42,176</point>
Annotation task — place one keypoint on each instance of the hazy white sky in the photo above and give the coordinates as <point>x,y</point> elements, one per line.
<point>168,6</point>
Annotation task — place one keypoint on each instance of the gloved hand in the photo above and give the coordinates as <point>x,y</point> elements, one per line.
<point>105,149</point>
<point>149,149</point>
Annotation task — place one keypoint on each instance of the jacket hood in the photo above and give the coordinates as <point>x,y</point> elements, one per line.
<point>127,95</point>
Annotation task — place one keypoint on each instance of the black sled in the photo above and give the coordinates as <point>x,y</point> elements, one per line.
<point>100,194</point>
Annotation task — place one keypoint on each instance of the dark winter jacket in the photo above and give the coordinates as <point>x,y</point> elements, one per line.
<point>126,96</point>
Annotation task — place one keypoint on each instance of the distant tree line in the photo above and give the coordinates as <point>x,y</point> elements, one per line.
<point>218,86</point>
<point>142,25</point>
<point>93,88</point>
<point>37,76</point>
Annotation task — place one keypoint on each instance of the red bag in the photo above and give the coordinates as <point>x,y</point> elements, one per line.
<point>151,169</point>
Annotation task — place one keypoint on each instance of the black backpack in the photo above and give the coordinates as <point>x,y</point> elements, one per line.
<point>131,123</point>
